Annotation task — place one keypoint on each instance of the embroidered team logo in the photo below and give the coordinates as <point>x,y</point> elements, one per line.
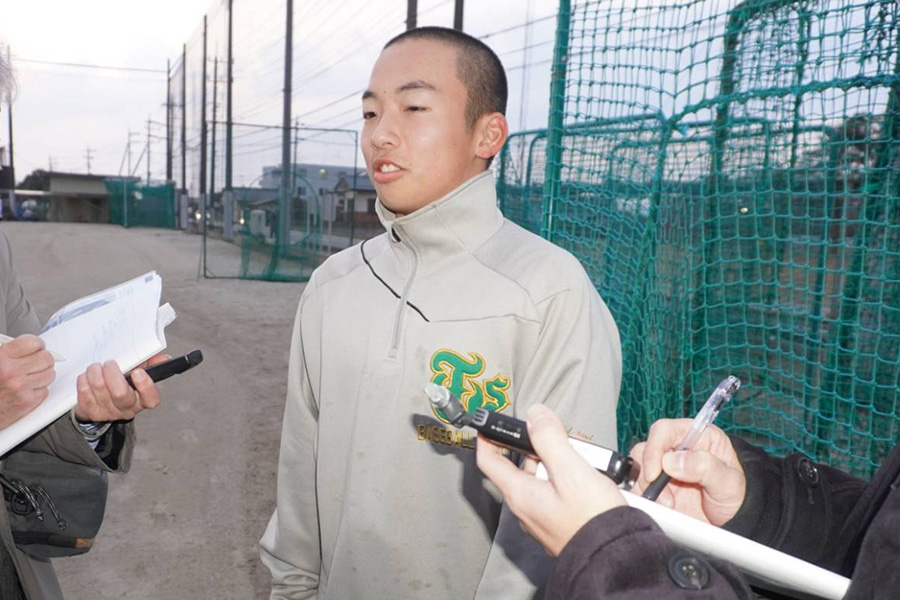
<point>458,374</point>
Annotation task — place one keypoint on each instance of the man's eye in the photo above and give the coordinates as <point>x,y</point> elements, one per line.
<point>416,108</point>
<point>368,114</point>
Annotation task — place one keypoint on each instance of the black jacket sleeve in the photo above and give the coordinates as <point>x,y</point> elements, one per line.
<point>798,507</point>
<point>622,554</point>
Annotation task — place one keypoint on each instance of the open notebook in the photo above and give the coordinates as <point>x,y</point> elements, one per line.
<point>124,323</point>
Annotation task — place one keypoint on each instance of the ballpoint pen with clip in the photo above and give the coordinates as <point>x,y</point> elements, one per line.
<point>720,396</point>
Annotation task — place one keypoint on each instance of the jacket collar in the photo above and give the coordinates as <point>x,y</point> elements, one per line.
<point>459,222</point>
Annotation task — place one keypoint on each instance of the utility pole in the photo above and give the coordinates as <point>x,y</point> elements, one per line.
<point>411,12</point>
<point>228,140</point>
<point>148,149</point>
<point>212,165</point>
<point>87,155</point>
<point>228,195</point>
<point>458,15</point>
<point>12,154</point>
<point>131,136</point>
<point>294,162</point>
<point>168,121</point>
<point>125,183</point>
<point>203,130</point>
<point>184,120</point>
<point>284,226</point>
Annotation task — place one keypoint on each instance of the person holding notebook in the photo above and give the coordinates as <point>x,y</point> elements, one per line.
<point>76,450</point>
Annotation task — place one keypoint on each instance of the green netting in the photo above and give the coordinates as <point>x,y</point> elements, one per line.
<point>520,182</point>
<point>133,204</point>
<point>728,173</point>
<point>260,229</point>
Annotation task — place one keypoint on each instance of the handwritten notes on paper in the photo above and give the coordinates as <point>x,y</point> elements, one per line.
<point>124,323</point>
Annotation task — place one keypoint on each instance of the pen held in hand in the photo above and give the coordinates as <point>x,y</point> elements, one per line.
<point>4,339</point>
<point>720,396</point>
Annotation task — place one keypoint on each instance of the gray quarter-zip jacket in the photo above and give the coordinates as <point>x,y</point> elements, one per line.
<point>377,496</point>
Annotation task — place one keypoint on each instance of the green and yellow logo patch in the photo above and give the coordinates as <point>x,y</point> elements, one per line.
<point>459,374</point>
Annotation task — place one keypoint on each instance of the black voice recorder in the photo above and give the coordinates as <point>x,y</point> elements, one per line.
<point>512,433</point>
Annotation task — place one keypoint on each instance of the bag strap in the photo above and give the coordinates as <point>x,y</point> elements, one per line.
<point>24,499</point>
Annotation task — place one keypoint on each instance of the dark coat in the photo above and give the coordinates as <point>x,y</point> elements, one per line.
<point>61,439</point>
<point>811,511</point>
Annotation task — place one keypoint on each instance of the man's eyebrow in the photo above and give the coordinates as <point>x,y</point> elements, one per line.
<point>418,84</point>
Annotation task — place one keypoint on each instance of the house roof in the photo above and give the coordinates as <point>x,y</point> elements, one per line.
<point>363,182</point>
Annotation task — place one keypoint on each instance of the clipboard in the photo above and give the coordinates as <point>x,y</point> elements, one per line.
<point>763,566</point>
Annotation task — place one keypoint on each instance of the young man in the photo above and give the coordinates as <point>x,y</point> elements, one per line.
<point>377,497</point>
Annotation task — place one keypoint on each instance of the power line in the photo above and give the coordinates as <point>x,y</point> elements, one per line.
<point>528,47</point>
<point>88,66</point>
<point>355,109</point>
<point>272,21</point>
<point>361,39</point>
<point>339,100</point>
<point>527,23</point>
<point>530,64</point>
<point>422,13</point>
<point>514,27</point>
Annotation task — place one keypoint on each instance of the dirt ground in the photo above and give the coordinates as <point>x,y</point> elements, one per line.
<point>184,522</point>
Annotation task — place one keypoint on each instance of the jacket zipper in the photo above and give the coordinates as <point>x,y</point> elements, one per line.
<point>398,319</point>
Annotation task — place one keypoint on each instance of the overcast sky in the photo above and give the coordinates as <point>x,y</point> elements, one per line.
<point>64,113</point>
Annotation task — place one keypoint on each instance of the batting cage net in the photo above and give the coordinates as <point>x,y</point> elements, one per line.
<point>134,204</point>
<point>729,175</point>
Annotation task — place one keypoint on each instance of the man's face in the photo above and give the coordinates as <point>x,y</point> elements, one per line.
<point>415,140</point>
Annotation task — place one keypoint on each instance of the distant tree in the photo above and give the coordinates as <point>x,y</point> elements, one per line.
<point>36,180</point>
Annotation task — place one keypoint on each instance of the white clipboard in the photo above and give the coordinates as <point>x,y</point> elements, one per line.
<point>763,566</point>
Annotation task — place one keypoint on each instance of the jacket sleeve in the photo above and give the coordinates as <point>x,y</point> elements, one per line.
<point>622,554</point>
<point>19,316</point>
<point>62,439</point>
<point>290,546</point>
<point>576,370</point>
<point>798,507</point>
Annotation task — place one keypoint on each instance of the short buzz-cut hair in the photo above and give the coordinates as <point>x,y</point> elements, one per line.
<point>477,66</point>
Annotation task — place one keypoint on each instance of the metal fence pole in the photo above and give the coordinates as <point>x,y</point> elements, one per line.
<point>555,121</point>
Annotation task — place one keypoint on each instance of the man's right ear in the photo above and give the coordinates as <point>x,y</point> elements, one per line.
<point>493,131</point>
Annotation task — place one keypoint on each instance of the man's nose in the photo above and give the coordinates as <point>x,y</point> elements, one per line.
<point>385,131</point>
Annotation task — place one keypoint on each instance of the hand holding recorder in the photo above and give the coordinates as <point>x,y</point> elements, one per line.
<point>105,394</point>
<point>553,510</point>
<point>554,498</point>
